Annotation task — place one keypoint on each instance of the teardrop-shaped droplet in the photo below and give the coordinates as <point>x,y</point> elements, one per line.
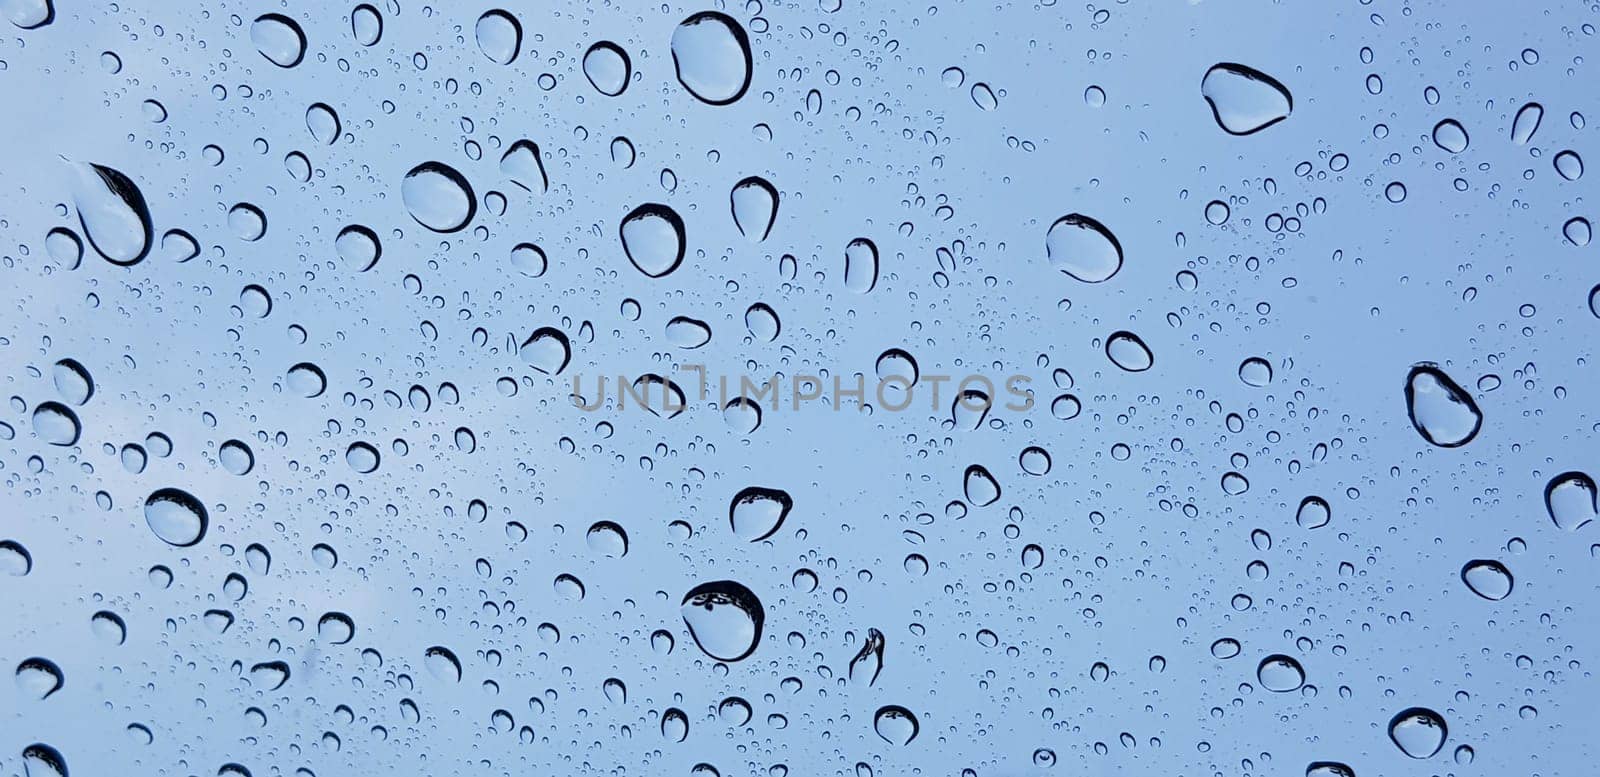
<point>56,424</point>
<point>1280,673</point>
<point>113,213</point>
<point>358,247</point>
<point>279,39</point>
<point>323,123</point>
<point>1418,732</point>
<point>499,36</point>
<point>438,197</point>
<point>755,208</point>
<point>73,381</point>
<point>1127,351</point>
<point>1245,100</point>
<point>757,513</point>
<point>762,322</point>
<point>608,68</point>
<point>1083,248</point>
<point>1487,578</point>
<point>1442,412</point>
<point>1572,500</point>
<point>523,165</point>
<point>37,678</point>
<point>868,661</point>
<point>860,265</point>
<point>685,332</point>
<point>674,725</point>
<point>979,486</point>
<point>725,619</point>
<point>653,238</point>
<point>176,517</point>
<point>711,53</point>
<point>895,724</point>
<point>1526,123</point>
<point>547,350</point>
<point>1450,136</point>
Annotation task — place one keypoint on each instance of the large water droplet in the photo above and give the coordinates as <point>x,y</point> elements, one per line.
<point>1244,100</point>
<point>653,239</point>
<point>608,68</point>
<point>1314,513</point>
<point>15,560</point>
<point>442,663</point>
<point>113,213</point>
<point>176,517</point>
<point>895,724</point>
<point>1571,499</point>
<point>366,24</point>
<point>499,36</point>
<point>28,14</point>
<point>1083,248</point>
<point>725,619</point>
<point>547,350</point>
<point>711,53</point>
<point>362,457</point>
<point>755,208</point>
<point>438,197</point>
<point>1280,673</point>
<point>270,675</point>
<point>42,760</point>
<point>56,424</point>
<point>1487,578</point>
<point>358,247</point>
<point>336,627</point>
<point>868,661</point>
<point>323,123</point>
<point>757,513</point>
<point>1442,412</point>
<point>608,539</point>
<point>1329,769</point>
<point>1526,123</point>
<point>1127,351</point>
<point>279,39</point>
<point>523,165</point>
<point>1450,136</point>
<point>860,265</point>
<point>979,486</point>
<point>306,379</point>
<point>1418,732</point>
<point>37,678</point>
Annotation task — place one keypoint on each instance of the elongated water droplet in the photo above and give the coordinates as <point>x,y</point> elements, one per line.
<point>523,165</point>
<point>1577,231</point>
<point>279,39</point>
<point>1487,578</point>
<point>113,213</point>
<point>1526,123</point>
<point>438,197</point>
<point>1127,351</point>
<point>499,36</point>
<point>860,265</point>
<point>755,208</point>
<point>323,123</point>
<point>1418,732</point>
<point>711,54</point>
<point>1442,412</point>
<point>366,24</point>
<point>725,619</point>
<point>1569,165</point>
<point>1245,100</point>
<point>653,238</point>
<point>1572,500</point>
<point>868,661</point>
<point>1083,248</point>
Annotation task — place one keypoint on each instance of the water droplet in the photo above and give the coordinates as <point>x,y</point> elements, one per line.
<point>608,539</point>
<point>1329,769</point>
<point>358,247</point>
<point>984,97</point>
<point>653,239</point>
<point>1526,123</point>
<point>547,350</point>
<point>73,381</point>
<point>176,517</point>
<point>725,619</point>
<point>757,513</point>
<point>523,165</point>
<point>1034,461</point>
<point>63,245</point>
<point>1280,673</point>
<point>755,208</point>
<point>711,53</point>
<point>1083,248</point>
<point>895,724</point>
<point>1314,513</point>
<point>860,265</point>
<point>1577,231</point>
<point>499,36</point>
<point>15,560</point>
<point>323,123</point>
<point>270,675</point>
<point>1418,732</point>
<point>1244,100</point>
<point>113,213</point>
<point>1395,192</point>
<point>442,663</point>
<point>247,222</point>
<point>1217,213</point>
<point>366,24</point>
<point>742,415</point>
<point>1569,165</point>
<point>980,487</point>
<point>868,661</point>
<point>42,760</point>
<point>1442,412</point>
<point>529,260</point>
<point>763,323</point>
<point>1127,351</point>
<point>37,678</point>
<point>336,627</point>
<point>1225,648</point>
<point>1255,371</point>
<point>236,457</point>
<point>362,458</point>
<point>685,332</point>
<point>674,725</point>
<point>56,424</point>
<point>1571,499</point>
<point>28,15</point>
<point>438,197</point>
<point>279,39</point>
<point>306,379</point>
<point>608,68</point>
<point>1487,578</point>
<point>1450,136</point>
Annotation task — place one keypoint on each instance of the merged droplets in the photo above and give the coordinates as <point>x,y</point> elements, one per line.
<point>608,68</point>
<point>113,213</point>
<point>176,517</point>
<point>279,39</point>
<point>438,197</point>
<point>358,247</point>
<point>860,265</point>
<point>1418,732</point>
<point>757,513</point>
<point>1127,351</point>
<point>499,36</point>
<point>1487,578</point>
<point>1450,136</point>
<point>725,619</point>
<point>653,238</point>
<point>755,207</point>
<point>1442,412</point>
<point>711,54</point>
<point>1083,248</point>
<point>1571,499</point>
<point>895,724</point>
<point>1245,100</point>
<point>1280,674</point>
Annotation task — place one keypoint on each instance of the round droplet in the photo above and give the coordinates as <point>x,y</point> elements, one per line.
<point>1442,412</point>
<point>1280,673</point>
<point>42,760</point>
<point>1571,499</point>
<point>1035,461</point>
<point>442,663</point>
<point>529,260</point>
<point>1083,248</point>
<point>979,486</point>
<point>109,627</point>
<point>247,222</point>
<point>711,53</point>
<point>1314,513</point>
<point>1244,100</point>
<point>176,517</point>
<point>279,39</point>
<point>1450,136</point>
<point>270,675</point>
<point>336,627</point>
<point>1418,732</point>
<point>15,560</point>
<point>653,239</point>
<point>1225,648</point>
<point>762,322</point>
<point>860,265</point>
<point>725,619</point>
<point>499,36</point>
<point>113,213</point>
<point>757,513</point>
<point>608,539</point>
<point>1255,372</point>
<point>1218,212</point>
<point>547,350</point>
<point>306,379</point>
<point>685,332</point>
<point>1577,231</point>
<point>235,457</point>
<point>1329,769</point>
<point>742,414</point>
<point>1395,192</point>
<point>895,724</point>
<point>674,725</point>
<point>438,197</point>
<point>755,208</point>
<point>358,247</point>
<point>63,245</point>
<point>1487,578</point>
<point>56,424</point>
<point>608,68</point>
<point>73,381</point>
<point>362,457</point>
<point>1127,351</point>
<point>1569,165</point>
